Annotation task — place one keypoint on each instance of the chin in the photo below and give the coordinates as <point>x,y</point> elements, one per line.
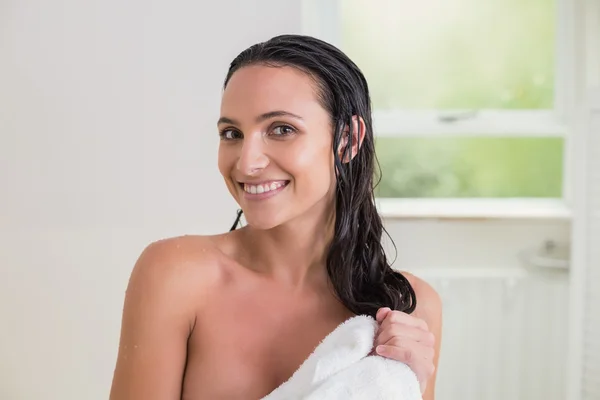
<point>263,221</point>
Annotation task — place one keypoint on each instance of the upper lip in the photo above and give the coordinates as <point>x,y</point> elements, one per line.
<point>262,182</point>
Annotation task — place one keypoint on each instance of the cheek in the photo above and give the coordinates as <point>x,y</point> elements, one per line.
<point>224,161</point>
<point>313,168</point>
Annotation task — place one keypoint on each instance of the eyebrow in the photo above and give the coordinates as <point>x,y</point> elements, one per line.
<point>262,117</point>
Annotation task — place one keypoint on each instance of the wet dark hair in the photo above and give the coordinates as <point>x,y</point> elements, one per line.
<point>359,271</point>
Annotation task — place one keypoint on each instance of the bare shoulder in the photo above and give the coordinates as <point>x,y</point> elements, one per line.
<point>178,258</point>
<point>179,266</point>
<point>170,282</point>
<point>429,303</point>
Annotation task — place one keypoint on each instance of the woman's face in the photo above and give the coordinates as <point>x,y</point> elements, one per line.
<point>275,152</point>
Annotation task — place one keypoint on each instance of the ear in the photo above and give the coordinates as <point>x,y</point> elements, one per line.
<point>358,134</point>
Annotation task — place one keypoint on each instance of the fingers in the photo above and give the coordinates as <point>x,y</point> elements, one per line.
<point>416,356</point>
<point>407,339</point>
<point>405,350</point>
<point>381,314</point>
<point>407,332</point>
<point>398,317</point>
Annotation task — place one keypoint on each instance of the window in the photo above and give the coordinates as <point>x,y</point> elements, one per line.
<point>470,167</point>
<point>468,97</point>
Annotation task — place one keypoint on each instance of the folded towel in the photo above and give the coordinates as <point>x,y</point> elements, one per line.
<point>341,368</point>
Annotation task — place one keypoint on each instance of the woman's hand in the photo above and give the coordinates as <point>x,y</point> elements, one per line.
<point>407,339</point>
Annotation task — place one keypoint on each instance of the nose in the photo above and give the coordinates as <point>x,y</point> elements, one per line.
<point>253,158</point>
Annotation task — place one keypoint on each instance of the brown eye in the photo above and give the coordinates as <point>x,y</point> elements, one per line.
<point>283,130</point>
<point>230,134</point>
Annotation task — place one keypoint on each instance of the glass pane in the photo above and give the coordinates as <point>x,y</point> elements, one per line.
<point>453,53</point>
<point>470,167</point>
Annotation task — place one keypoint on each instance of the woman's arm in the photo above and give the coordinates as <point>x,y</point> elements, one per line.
<point>158,317</point>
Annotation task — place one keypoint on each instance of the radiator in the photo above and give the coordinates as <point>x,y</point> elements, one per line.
<point>504,333</point>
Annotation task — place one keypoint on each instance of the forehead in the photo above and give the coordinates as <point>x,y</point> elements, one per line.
<point>257,89</point>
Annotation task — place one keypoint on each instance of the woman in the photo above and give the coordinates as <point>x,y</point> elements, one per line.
<point>232,316</point>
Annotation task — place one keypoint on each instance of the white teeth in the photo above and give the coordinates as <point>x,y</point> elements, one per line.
<point>258,189</point>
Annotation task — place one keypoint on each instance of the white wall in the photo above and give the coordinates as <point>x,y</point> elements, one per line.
<point>107,141</point>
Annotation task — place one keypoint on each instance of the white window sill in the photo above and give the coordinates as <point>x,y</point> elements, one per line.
<point>480,123</point>
<point>476,209</point>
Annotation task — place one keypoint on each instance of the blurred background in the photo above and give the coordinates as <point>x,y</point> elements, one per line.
<point>487,116</point>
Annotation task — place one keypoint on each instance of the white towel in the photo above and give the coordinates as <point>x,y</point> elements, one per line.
<point>341,368</point>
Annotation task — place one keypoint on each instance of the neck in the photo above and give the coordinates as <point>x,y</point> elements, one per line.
<point>294,253</point>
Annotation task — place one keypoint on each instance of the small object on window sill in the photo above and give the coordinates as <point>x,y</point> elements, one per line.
<point>457,116</point>
<point>551,256</point>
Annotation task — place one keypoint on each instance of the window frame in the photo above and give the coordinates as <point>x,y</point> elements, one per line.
<point>321,18</point>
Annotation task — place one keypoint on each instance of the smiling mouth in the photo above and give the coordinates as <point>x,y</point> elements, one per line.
<point>263,188</point>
